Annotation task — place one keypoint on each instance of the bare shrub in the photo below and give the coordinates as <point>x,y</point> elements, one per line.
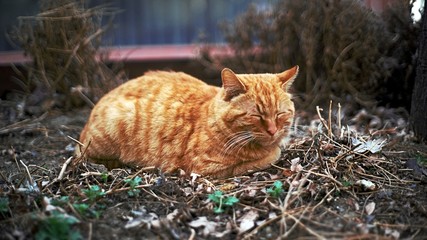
<point>63,41</point>
<point>342,47</point>
<point>403,51</point>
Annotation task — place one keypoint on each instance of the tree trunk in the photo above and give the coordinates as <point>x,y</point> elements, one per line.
<point>418,116</point>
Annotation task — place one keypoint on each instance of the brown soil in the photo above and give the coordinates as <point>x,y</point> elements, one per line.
<point>322,195</point>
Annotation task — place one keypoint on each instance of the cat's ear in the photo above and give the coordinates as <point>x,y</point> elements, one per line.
<point>231,84</point>
<point>287,77</point>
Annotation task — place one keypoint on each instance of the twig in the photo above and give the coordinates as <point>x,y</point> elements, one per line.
<point>16,160</point>
<point>39,167</point>
<point>323,175</point>
<point>339,121</point>
<point>78,90</point>
<point>27,123</point>
<point>89,237</point>
<point>324,123</point>
<point>28,173</point>
<point>61,173</point>
<point>330,134</point>
<point>91,174</point>
<point>116,187</point>
<point>75,140</point>
<point>192,235</point>
<point>4,177</point>
<point>64,167</point>
<point>156,196</point>
<point>323,199</point>
<point>307,228</point>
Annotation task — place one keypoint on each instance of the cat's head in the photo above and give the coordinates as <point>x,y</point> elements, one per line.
<point>257,106</point>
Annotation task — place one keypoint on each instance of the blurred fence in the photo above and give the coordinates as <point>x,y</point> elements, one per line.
<point>147,22</point>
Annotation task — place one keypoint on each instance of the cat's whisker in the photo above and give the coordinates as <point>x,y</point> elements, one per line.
<point>238,140</point>
<point>244,143</point>
<point>236,135</point>
<point>233,143</point>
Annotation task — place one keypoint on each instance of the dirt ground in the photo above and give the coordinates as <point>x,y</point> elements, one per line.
<point>324,187</point>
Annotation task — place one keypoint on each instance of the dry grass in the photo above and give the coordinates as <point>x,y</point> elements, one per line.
<point>67,66</point>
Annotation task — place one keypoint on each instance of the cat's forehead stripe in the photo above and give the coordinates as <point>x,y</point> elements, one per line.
<point>266,96</point>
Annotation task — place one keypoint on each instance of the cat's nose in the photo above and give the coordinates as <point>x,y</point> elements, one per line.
<point>271,127</point>
<point>272,131</point>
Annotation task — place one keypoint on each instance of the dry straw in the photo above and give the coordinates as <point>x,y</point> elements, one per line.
<point>63,42</point>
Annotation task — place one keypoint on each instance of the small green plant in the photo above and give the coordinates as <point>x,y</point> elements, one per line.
<point>57,226</point>
<point>133,183</point>
<point>104,177</point>
<point>276,190</point>
<point>81,208</point>
<point>346,183</point>
<point>222,201</point>
<point>421,160</point>
<point>4,205</point>
<point>60,202</point>
<point>85,210</point>
<point>94,193</point>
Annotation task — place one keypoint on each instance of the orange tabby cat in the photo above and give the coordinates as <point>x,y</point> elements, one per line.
<point>171,120</point>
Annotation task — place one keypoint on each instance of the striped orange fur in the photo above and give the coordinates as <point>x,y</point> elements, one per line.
<point>172,121</point>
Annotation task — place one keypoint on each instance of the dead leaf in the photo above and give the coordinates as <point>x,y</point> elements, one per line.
<point>194,176</point>
<point>251,191</point>
<point>171,216</point>
<point>394,233</point>
<point>247,221</point>
<point>228,187</point>
<point>287,173</point>
<point>372,146</point>
<point>366,184</point>
<point>208,226</point>
<point>312,188</point>
<point>142,217</point>
<point>295,165</point>
<point>369,208</point>
<point>188,191</point>
<point>271,215</point>
<point>356,206</point>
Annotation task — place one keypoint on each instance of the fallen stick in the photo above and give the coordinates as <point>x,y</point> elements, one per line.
<point>64,167</point>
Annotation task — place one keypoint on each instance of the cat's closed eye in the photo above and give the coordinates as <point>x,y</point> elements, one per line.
<point>285,114</point>
<point>257,116</point>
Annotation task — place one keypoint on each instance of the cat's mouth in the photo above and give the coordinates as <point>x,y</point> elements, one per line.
<point>267,139</point>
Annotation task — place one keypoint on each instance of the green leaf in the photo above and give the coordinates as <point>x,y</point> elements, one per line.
<point>278,184</point>
<point>276,189</point>
<point>57,226</point>
<point>134,192</point>
<point>104,177</point>
<point>81,208</point>
<point>4,204</point>
<point>346,183</point>
<point>230,201</point>
<point>221,200</point>
<point>133,183</point>
<point>93,192</point>
<point>63,200</point>
<point>216,196</point>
